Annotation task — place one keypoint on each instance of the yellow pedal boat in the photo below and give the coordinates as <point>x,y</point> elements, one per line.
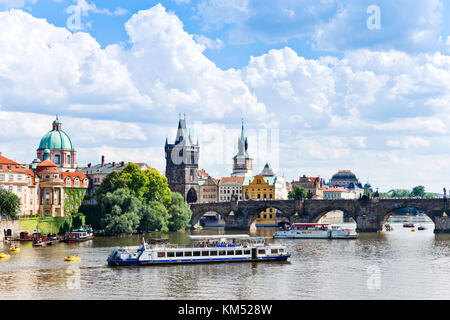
<point>14,249</point>
<point>4,255</point>
<point>72,258</point>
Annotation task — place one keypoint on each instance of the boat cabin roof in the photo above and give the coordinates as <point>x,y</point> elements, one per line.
<point>311,224</point>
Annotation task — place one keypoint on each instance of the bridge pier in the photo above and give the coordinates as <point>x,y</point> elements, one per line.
<point>368,223</point>
<point>441,224</point>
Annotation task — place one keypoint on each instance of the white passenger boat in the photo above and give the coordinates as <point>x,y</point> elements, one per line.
<point>314,231</point>
<point>220,248</point>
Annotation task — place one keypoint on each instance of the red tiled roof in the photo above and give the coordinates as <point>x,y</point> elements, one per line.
<point>233,179</point>
<point>7,165</point>
<point>5,160</point>
<point>336,190</point>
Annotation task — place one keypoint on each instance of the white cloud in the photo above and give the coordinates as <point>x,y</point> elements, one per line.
<point>208,43</point>
<point>368,111</point>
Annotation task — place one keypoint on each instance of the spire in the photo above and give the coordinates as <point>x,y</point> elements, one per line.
<point>182,133</point>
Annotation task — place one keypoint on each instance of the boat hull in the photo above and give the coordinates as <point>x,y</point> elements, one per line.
<point>118,262</point>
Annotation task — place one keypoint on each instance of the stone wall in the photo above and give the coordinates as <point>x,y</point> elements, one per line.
<point>14,225</point>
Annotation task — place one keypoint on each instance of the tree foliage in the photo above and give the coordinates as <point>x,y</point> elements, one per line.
<point>179,212</point>
<point>122,212</point>
<point>9,203</point>
<point>154,217</point>
<point>151,200</point>
<point>297,192</point>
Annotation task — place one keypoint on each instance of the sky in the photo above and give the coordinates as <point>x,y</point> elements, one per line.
<point>322,85</point>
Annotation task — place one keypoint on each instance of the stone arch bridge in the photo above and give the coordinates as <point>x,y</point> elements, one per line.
<point>369,214</point>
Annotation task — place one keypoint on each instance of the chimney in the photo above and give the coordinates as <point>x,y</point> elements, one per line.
<point>103,161</point>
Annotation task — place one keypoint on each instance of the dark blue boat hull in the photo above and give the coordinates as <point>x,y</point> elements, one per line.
<point>135,262</point>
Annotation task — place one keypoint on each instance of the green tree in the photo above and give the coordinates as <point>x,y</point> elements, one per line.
<point>136,179</point>
<point>9,203</point>
<point>157,188</point>
<point>297,191</point>
<point>418,191</point>
<point>112,182</point>
<point>121,212</point>
<point>154,217</point>
<point>179,212</point>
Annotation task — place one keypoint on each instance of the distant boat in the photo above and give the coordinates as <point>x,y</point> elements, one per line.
<point>408,225</point>
<point>79,235</point>
<point>421,228</point>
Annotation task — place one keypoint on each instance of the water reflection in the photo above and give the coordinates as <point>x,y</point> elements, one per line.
<point>393,265</point>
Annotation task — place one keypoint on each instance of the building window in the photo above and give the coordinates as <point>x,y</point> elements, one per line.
<point>2,177</point>
<point>10,189</point>
<point>11,178</point>
<point>57,159</point>
<point>68,159</point>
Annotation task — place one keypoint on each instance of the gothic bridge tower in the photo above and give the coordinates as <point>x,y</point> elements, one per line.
<point>182,164</point>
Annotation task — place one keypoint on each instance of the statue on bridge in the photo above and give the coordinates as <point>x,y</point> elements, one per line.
<point>445,193</point>
<point>310,195</point>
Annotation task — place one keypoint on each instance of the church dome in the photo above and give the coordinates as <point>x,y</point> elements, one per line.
<point>56,139</point>
<point>344,175</point>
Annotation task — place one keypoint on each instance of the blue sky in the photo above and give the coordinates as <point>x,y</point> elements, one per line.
<point>331,91</point>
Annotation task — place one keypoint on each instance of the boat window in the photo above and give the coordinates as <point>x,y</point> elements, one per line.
<point>161,254</point>
<point>213,253</point>
<point>238,252</point>
<point>261,251</point>
<point>274,251</point>
<point>246,251</point>
<point>230,252</point>
<point>196,253</point>
<point>205,253</point>
<point>188,254</point>
<point>179,253</point>
<point>171,254</point>
<point>222,253</point>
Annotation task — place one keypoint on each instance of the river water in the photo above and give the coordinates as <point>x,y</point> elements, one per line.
<point>389,265</point>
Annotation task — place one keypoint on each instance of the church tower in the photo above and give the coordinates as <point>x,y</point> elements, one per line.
<point>182,164</point>
<point>242,163</point>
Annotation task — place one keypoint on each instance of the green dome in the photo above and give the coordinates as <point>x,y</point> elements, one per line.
<point>56,139</point>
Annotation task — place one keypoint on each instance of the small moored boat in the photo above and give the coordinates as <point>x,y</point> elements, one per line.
<point>79,235</point>
<point>4,255</point>
<point>205,249</point>
<point>72,258</point>
<point>314,231</point>
<point>408,225</point>
<point>14,249</point>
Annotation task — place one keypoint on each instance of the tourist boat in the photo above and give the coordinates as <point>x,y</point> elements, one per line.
<point>314,231</point>
<point>79,235</point>
<point>205,249</point>
<point>39,242</point>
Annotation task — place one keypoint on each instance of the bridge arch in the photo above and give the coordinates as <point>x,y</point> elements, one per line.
<point>316,216</point>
